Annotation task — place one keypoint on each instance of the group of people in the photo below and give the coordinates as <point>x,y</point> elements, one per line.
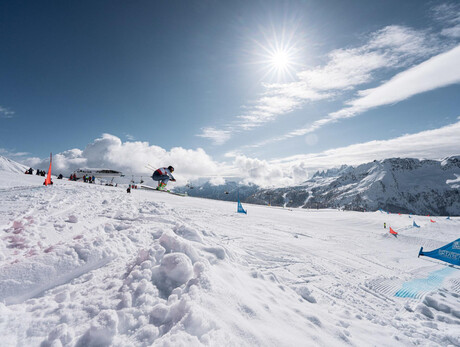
<point>30,171</point>
<point>89,179</point>
<point>86,178</point>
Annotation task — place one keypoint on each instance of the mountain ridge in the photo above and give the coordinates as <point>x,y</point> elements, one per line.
<point>398,185</point>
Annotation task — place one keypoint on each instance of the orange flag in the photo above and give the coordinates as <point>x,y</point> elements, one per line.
<point>392,231</point>
<point>48,176</point>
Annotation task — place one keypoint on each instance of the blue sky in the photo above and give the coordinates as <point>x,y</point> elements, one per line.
<point>265,88</point>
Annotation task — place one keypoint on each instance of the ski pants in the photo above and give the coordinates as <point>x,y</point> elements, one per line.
<point>158,177</point>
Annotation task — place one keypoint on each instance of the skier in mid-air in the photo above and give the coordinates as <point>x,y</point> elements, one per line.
<point>163,175</point>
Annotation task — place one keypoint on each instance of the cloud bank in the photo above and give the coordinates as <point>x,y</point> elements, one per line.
<point>131,157</point>
<point>429,144</point>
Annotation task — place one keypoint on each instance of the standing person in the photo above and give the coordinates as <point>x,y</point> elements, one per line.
<point>163,175</point>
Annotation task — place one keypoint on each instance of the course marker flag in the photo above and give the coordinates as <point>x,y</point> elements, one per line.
<point>415,225</point>
<point>432,221</point>
<point>449,253</point>
<point>393,232</point>
<point>240,207</point>
<point>48,176</point>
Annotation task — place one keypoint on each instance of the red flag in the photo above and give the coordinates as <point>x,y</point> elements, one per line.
<point>48,176</point>
<point>432,221</point>
<point>392,231</point>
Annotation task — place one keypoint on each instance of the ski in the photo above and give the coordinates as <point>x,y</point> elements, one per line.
<point>160,190</point>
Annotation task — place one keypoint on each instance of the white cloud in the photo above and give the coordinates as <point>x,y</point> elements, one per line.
<point>265,173</point>
<point>346,69</point>
<point>430,144</point>
<point>258,171</point>
<point>453,32</point>
<point>8,153</point>
<point>268,108</point>
<point>439,71</point>
<point>109,151</point>
<point>449,15</point>
<point>217,136</point>
<point>217,181</point>
<point>392,46</point>
<point>6,113</point>
<point>400,43</point>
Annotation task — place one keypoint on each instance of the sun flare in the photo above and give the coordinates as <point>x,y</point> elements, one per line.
<point>280,60</point>
<point>280,55</point>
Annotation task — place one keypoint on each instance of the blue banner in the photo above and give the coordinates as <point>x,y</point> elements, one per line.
<point>449,253</point>
<point>240,208</point>
<point>415,225</point>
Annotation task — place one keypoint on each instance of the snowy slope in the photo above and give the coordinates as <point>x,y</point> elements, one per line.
<point>9,165</point>
<point>89,265</point>
<point>395,185</point>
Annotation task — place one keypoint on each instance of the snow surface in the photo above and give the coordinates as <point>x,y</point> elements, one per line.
<point>90,265</point>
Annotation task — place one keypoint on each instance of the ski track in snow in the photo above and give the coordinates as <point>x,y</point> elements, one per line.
<point>87,265</point>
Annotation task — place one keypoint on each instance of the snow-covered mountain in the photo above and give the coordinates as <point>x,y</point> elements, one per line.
<point>395,185</point>
<point>9,165</point>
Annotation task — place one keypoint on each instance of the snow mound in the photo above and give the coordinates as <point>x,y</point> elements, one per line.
<point>25,279</point>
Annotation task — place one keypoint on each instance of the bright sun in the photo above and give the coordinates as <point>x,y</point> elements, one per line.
<point>279,56</point>
<point>280,60</point>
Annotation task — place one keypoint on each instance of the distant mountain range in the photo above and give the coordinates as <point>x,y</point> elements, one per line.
<point>398,185</point>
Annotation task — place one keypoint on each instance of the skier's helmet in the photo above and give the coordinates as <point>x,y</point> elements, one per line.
<point>170,168</point>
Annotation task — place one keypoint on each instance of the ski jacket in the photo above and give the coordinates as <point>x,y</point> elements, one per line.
<point>165,171</point>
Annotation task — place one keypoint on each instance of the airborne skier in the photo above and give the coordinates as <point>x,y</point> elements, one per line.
<point>163,175</point>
